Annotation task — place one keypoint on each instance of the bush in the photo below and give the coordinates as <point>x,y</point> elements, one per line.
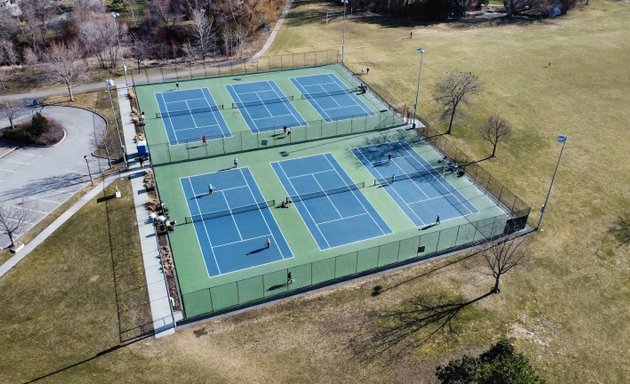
<point>40,131</point>
<point>39,125</point>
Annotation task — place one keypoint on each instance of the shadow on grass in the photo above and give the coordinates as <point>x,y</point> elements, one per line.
<point>400,331</point>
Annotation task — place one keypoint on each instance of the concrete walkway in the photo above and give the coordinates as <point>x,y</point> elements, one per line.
<point>160,301</point>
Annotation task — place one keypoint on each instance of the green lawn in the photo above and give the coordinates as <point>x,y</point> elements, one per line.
<point>567,309</point>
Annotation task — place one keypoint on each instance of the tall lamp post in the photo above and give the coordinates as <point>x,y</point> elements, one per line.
<point>88,167</point>
<point>415,105</point>
<point>122,58</point>
<point>343,33</point>
<point>110,84</point>
<point>561,139</point>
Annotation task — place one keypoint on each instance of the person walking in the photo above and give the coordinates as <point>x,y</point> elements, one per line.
<point>290,278</point>
<point>284,129</point>
<point>288,131</point>
<point>367,70</point>
<point>268,244</point>
<point>437,219</point>
<point>203,139</point>
<point>235,162</point>
<point>389,157</point>
<point>210,189</point>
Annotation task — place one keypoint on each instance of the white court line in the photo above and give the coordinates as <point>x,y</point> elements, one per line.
<point>192,188</point>
<point>240,241</point>
<point>391,189</point>
<point>263,215</point>
<point>7,170</point>
<point>343,218</point>
<point>313,173</point>
<point>304,205</point>
<point>231,214</point>
<point>356,197</point>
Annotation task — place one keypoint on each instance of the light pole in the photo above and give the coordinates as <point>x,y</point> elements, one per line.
<point>343,33</point>
<point>122,58</point>
<point>88,167</point>
<point>561,139</point>
<point>110,83</point>
<point>415,105</point>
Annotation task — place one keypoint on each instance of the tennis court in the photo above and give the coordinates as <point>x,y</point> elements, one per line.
<point>416,186</point>
<point>190,114</point>
<point>264,106</point>
<point>232,222</point>
<point>332,206</point>
<point>330,97</point>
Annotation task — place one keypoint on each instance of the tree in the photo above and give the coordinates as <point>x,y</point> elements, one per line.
<point>141,48</point>
<point>11,110</point>
<point>37,15</point>
<point>98,37</point>
<point>501,257</point>
<point>8,54</point>
<point>500,364</point>
<point>495,130</point>
<point>202,31</point>
<point>453,89</point>
<point>64,64</point>
<point>13,219</point>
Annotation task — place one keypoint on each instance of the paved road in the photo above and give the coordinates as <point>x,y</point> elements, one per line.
<point>40,179</point>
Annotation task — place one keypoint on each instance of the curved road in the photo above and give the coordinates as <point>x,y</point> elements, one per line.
<point>40,179</point>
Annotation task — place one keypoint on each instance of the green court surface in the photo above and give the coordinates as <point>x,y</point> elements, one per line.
<point>205,293</point>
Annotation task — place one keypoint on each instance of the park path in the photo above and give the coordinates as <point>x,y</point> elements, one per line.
<point>153,78</point>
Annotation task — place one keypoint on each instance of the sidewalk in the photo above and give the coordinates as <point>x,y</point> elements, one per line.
<point>161,311</point>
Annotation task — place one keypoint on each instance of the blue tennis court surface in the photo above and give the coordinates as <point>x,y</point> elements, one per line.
<point>264,106</point>
<point>234,222</point>
<point>334,210</point>
<point>330,97</point>
<point>418,188</point>
<point>190,114</point>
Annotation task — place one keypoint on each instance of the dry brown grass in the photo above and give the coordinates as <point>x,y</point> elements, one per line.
<point>567,309</point>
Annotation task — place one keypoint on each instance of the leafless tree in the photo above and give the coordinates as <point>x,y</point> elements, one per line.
<point>202,31</point>
<point>502,257</point>
<point>83,9</point>
<point>98,37</point>
<point>167,11</point>
<point>37,15</point>
<point>8,54</point>
<point>191,52</point>
<point>131,6</point>
<point>29,56</point>
<point>495,130</point>
<point>104,143</point>
<point>11,110</point>
<point>65,64</point>
<point>13,219</point>
<point>240,39</point>
<point>453,89</point>
<point>9,25</point>
<point>141,48</point>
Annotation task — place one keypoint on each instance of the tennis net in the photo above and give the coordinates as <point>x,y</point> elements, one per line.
<point>230,211</point>
<point>261,102</point>
<point>435,171</point>
<point>328,192</point>
<point>316,95</point>
<point>190,111</point>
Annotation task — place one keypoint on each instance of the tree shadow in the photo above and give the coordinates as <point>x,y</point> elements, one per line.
<point>46,184</point>
<point>400,331</point>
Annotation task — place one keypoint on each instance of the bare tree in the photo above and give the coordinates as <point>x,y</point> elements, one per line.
<point>495,130</point>
<point>131,6</point>
<point>11,110</point>
<point>202,31</point>
<point>98,37</point>
<point>37,15</point>
<point>104,143</point>
<point>65,64</point>
<point>190,51</point>
<point>502,257</point>
<point>141,48</point>
<point>13,219</point>
<point>240,39</point>
<point>167,11</point>
<point>453,89</point>
<point>83,9</point>
<point>8,54</point>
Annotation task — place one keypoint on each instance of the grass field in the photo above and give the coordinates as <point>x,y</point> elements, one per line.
<point>567,309</point>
